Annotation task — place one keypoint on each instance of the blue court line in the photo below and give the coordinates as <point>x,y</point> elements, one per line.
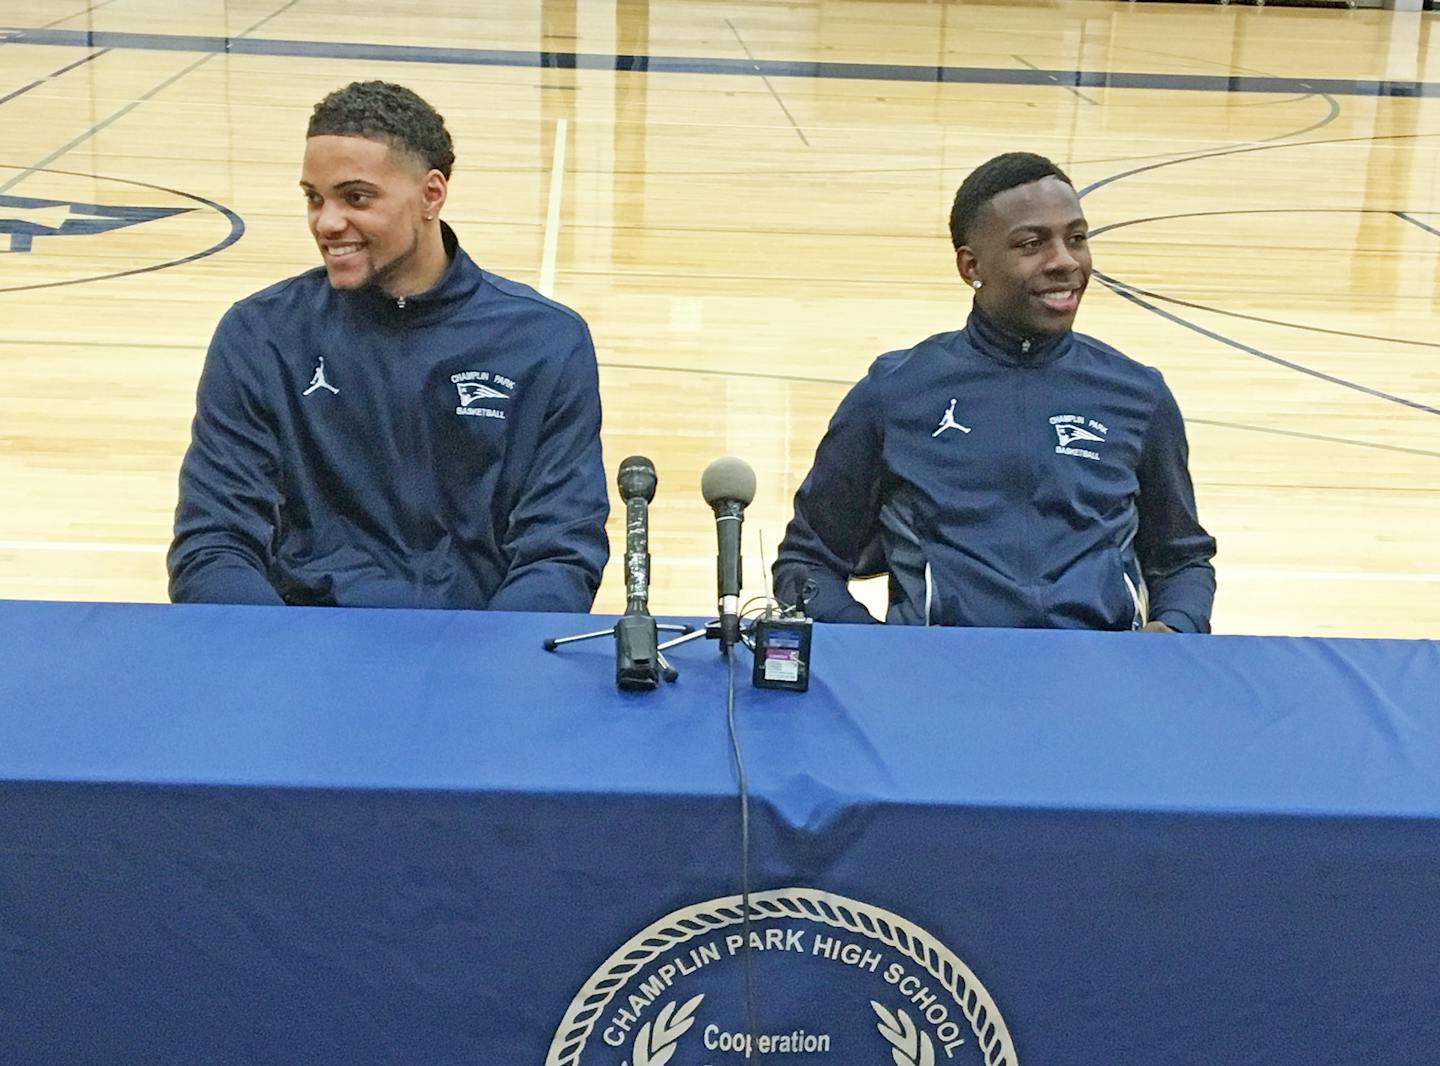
<point>1222,83</point>
<point>1417,222</point>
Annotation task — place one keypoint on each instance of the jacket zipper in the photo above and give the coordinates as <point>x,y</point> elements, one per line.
<point>1027,543</point>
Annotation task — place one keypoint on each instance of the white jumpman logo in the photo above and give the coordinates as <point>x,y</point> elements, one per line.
<point>948,422</point>
<point>318,380</point>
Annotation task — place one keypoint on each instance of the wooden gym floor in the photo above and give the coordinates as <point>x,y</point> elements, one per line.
<point>748,203</point>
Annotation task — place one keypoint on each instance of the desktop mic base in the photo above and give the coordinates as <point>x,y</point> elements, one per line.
<point>712,630</point>
<point>639,662</point>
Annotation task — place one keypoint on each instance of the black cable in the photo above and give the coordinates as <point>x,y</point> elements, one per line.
<point>750,1028</point>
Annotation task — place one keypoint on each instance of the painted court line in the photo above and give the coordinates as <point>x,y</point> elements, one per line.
<point>552,211</point>
<point>1080,79</point>
<point>97,547</point>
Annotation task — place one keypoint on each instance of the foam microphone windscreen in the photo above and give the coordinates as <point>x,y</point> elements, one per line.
<point>728,478</point>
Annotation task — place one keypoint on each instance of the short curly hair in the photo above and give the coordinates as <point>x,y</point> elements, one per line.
<point>383,111</point>
<point>989,180</point>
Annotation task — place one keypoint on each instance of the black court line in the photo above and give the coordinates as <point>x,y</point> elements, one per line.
<point>1121,289</point>
<point>97,127</point>
<point>1264,146</point>
<point>54,74</point>
<point>1261,147</point>
<point>751,55</point>
<point>21,91</point>
<point>1316,436</point>
<point>1330,117</point>
<point>849,383</point>
<point>1133,294</point>
<point>1054,78</point>
<point>237,230</point>
<point>245,45</point>
<point>78,63</point>
<point>67,18</point>
<point>1417,222</point>
<point>1277,321</point>
<point>1150,294</point>
<point>102,124</point>
<point>237,225</point>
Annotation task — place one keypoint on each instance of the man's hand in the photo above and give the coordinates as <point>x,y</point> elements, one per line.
<point>1157,627</point>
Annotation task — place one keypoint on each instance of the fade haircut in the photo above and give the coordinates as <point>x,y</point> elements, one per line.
<point>392,114</point>
<point>989,180</point>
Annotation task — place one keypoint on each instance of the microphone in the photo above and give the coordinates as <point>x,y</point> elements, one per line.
<point>637,659</point>
<point>637,483</point>
<point>728,485</point>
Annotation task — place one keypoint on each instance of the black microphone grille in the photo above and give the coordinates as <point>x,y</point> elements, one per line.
<point>637,478</point>
<point>728,478</point>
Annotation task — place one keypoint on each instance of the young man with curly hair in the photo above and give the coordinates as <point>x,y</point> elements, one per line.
<point>397,427</point>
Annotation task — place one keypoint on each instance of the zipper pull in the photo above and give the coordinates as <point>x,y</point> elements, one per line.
<point>400,303</point>
<point>1024,345</point>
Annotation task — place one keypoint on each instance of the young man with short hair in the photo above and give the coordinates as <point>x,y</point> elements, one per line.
<point>397,427</point>
<point>1013,473</point>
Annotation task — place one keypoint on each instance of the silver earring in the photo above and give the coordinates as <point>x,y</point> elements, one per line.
<point>976,284</point>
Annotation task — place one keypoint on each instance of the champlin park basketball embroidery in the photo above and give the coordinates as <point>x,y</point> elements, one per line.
<point>1078,436</point>
<point>843,983</point>
<point>478,390</point>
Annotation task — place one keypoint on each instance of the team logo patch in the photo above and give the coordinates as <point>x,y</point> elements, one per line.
<point>68,222</point>
<point>845,984</point>
<point>1074,432</point>
<point>475,387</point>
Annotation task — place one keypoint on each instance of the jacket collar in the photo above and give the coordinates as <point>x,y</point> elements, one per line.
<point>459,282</point>
<point>1005,347</point>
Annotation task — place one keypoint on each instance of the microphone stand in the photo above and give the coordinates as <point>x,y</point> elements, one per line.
<point>728,486</point>
<point>712,630</point>
<point>636,667</point>
<point>639,663</point>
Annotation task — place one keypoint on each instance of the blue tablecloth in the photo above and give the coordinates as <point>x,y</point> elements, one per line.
<point>234,835</point>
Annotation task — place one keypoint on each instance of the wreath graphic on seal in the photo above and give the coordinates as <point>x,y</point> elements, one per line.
<point>908,1044</point>
<point>655,1042</point>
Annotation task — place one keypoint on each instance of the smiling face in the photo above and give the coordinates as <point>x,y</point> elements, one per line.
<point>1029,247</point>
<point>372,211</point>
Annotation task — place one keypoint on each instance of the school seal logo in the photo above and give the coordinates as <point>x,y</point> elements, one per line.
<point>838,982</point>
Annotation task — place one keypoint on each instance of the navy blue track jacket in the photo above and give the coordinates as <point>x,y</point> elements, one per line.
<point>353,449</point>
<point>1002,482</point>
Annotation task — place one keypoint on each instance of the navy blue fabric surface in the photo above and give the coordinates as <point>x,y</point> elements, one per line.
<point>233,835</point>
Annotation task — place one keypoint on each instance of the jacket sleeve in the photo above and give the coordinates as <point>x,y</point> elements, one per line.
<point>229,482</point>
<point>1173,548</point>
<point>555,539</point>
<point>836,513</point>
